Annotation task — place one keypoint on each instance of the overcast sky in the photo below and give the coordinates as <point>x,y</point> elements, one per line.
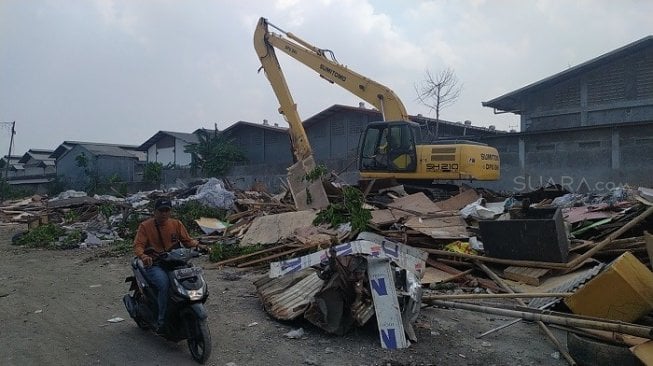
<point>118,71</point>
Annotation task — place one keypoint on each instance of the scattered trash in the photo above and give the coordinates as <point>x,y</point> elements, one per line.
<point>295,334</point>
<point>115,320</point>
<point>252,324</point>
<point>38,311</point>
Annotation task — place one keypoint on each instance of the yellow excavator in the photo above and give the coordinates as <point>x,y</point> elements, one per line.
<point>390,148</point>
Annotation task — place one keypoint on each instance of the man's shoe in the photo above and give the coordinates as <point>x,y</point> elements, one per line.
<point>159,329</point>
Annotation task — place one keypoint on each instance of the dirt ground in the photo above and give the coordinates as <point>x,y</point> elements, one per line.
<point>55,307</point>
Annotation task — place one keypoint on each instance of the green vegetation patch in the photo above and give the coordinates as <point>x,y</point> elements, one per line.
<point>349,210</point>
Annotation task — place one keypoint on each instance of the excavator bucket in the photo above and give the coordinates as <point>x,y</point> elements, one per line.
<point>307,193</point>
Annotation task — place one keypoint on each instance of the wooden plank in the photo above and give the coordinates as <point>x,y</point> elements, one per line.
<point>272,228</point>
<point>433,275</point>
<point>385,217</point>
<point>527,275</point>
<point>459,201</point>
<point>452,227</point>
<point>458,273</point>
<point>417,202</point>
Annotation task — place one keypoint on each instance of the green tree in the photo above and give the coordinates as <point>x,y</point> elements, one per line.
<point>153,172</point>
<point>214,154</point>
<point>93,178</point>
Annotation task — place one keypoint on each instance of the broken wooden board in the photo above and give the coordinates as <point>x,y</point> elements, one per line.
<point>306,194</point>
<point>459,201</point>
<point>387,216</point>
<point>527,275</point>
<point>270,229</point>
<point>452,227</point>
<point>575,215</point>
<point>644,352</point>
<point>434,275</point>
<point>417,203</point>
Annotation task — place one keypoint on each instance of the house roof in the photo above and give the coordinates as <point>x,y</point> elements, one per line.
<point>46,163</point>
<point>510,102</point>
<point>12,158</point>
<point>116,151</point>
<point>338,108</point>
<point>190,138</point>
<point>240,124</point>
<point>67,145</point>
<point>36,154</point>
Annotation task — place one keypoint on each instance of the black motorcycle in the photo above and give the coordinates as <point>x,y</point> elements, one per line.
<point>186,317</point>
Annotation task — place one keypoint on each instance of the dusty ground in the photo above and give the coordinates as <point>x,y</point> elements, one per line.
<point>54,307</point>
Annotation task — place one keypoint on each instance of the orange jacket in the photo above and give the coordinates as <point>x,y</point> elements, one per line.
<point>172,232</point>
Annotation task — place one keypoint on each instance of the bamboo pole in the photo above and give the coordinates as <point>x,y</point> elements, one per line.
<point>244,256</point>
<point>626,328</point>
<point>604,335</point>
<point>509,262</point>
<point>545,329</point>
<point>611,237</point>
<point>513,295</point>
<point>274,256</point>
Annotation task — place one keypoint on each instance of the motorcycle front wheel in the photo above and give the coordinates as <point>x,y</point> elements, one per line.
<point>199,339</point>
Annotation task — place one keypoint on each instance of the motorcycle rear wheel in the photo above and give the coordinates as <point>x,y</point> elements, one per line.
<point>199,339</point>
<point>142,324</point>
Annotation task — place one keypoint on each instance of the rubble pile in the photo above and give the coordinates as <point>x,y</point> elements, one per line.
<point>572,255</point>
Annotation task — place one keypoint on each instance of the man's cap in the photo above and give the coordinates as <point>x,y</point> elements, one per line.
<point>162,203</point>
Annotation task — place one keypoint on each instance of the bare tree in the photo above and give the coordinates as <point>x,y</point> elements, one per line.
<point>438,92</point>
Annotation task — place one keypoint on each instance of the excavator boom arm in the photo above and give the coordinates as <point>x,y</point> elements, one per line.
<point>381,97</point>
<point>288,107</point>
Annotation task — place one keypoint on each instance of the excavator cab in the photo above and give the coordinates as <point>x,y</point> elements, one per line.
<point>389,147</point>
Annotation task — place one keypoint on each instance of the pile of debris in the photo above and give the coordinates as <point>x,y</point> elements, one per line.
<point>547,250</point>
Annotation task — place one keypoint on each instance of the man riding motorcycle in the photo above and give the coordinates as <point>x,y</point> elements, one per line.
<point>157,235</point>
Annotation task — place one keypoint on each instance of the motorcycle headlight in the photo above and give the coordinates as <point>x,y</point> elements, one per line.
<point>195,294</point>
<point>191,294</point>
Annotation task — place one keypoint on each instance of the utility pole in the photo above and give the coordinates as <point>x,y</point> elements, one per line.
<point>11,145</point>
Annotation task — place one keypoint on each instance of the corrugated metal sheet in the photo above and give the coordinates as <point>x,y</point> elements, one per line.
<point>287,297</point>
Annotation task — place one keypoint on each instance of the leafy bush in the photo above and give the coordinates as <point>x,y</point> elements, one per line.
<point>349,210</point>
<point>41,237</point>
<point>152,172</point>
<point>71,240</point>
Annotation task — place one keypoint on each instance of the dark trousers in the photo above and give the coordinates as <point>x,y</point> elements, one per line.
<point>159,279</point>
